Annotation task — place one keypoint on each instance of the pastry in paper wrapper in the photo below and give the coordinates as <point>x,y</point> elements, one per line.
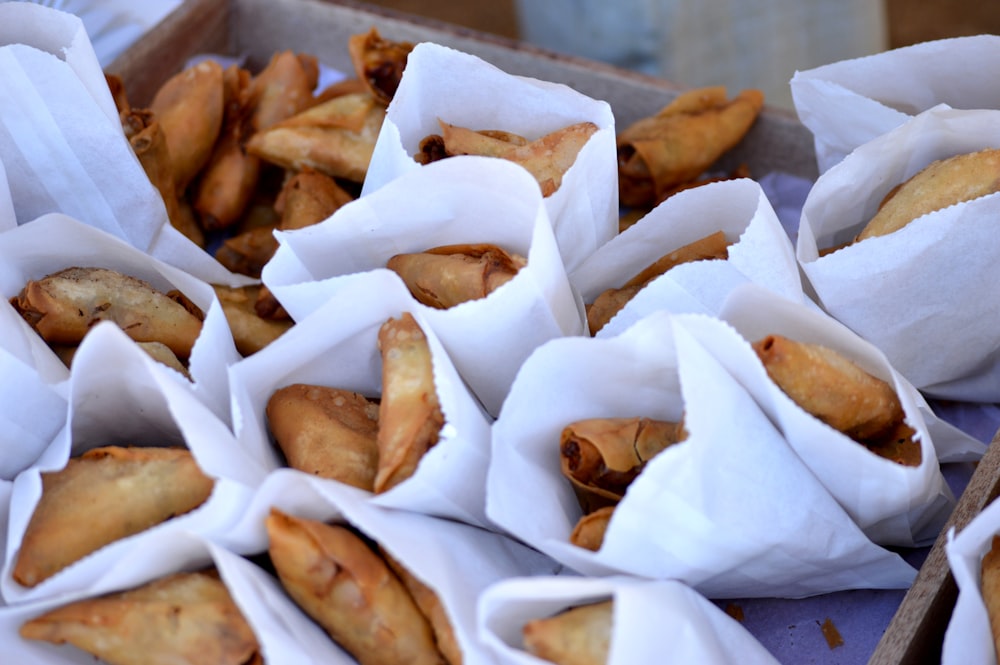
<point>189,617</point>
<point>870,285</point>
<point>93,502</point>
<point>580,635</point>
<point>714,496</point>
<point>338,580</point>
<point>378,62</point>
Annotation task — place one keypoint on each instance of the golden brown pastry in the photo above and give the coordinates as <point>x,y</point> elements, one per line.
<point>251,332</point>
<point>940,184</point>
<point>578,636</point>
<point>611,301</point>
<point>378,63</point>
<point>838,392</point>
<point>590,529</point>
<point>678,143</point>
<point>349,590</point>
<point>326,431</point>
<point>187,618</point>
<point>446,276</point>
<point>63,306</point>
<point>410,417</point>
<point>102,496</point>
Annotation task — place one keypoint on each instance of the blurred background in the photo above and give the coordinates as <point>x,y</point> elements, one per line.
<point>737,43</point>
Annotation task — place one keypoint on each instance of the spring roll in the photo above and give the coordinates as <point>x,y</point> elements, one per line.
<point>611,301</point>
<point>349,590</point>
<point>580,635</point>
<point>681,141</point>
<point>590,529</point>
<point>838,392</point>
<point>63,306</point>
<point>446,276</point>
<point>307,198</point>
<point>185,618</point>
<point>251,332</point>
<point>190,108</point>
<point>378,63</point>
<point>102,496</point>
<point>601,456</point>
<point>329,432</point>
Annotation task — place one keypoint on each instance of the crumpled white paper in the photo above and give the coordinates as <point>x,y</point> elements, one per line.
<point>460,200</point>
<point>336,345</point>
<point>464,90</point>
<point>922,294</point>
<point>655,621</point>
<point>968,638</point>
<point>62,144</point>
<point>848,103</point>
<point>761,253</point>
<point>118,395</point>
<point>737,513</point>
<point>893,504</point>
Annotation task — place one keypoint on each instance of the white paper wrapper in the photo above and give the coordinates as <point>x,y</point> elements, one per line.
<point>55,242</point>
<point>893,504</point>
<point>62,144</point>
<point>463,90</point>
<point>654,621</point>
<point>921,294</point>
<point>454,201</point>
<point>31,413</point>
<point>130,400</point>
<point>337,346</point>
<point>7,218</point>
<point>457,561</point>
<point>761,253</point>
<point>737,514</point>
<point>848,103</point>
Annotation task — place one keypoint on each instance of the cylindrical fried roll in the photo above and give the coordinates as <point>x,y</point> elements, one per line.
<point>445,276</point>
<point>410,417</point>
<point>283,88</point>
<point>63,306</point>
<point>578,636</point>
<point>349,590</point>
<point>326,431</point>
<point>102,496</point>
<point>601,456</point>
<point>185,618</point>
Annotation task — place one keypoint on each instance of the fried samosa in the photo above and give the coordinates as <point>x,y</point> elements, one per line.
<point>251,332</point>
<point>590,529</point>
<point>332,574</point>
<point>940,184</point>
<point>283,88</point>
<point>185,618</point>
<point>378,63</point>
<point>410,417</point>
<point>546,158</point>
<point>580,635</point>
<point>102,496</point>
<point>63,306</point>
<point>678,143</point>
<point>326,431</point>
<point>611,301</point>
<point>838,392</point>
<point>602,456</point>
<point>446,276</point>
<point>307,198</point>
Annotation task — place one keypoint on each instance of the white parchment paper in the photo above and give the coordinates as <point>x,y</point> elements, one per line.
<point>462,89</point>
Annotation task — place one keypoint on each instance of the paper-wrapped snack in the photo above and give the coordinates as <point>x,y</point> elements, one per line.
<point>337,346</point>
<point>455,201</point>
<point>478,96</point>
<point>54,243</point>
<point>454,561</point>
<point>651,621</point>
<point>846,104</point>
<point>758,250</point>
<point>969,637</point>
<point>920,294</point>
<point>139,449</point>
<point>737,514</point>
<point>894,499</point>
<point>62,144</point>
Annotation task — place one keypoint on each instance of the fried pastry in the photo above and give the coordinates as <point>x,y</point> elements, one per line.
<point>332,574</point>
<point>251,332</point>
<point>63,306</point>
<point>378,63</point>
<point>185,618</point>
<point>590,529</point>
<point>410,417</point>
<point>580,635</point>
<point>446,276</point>
<point>326,431</point>
<point>102,496</point>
